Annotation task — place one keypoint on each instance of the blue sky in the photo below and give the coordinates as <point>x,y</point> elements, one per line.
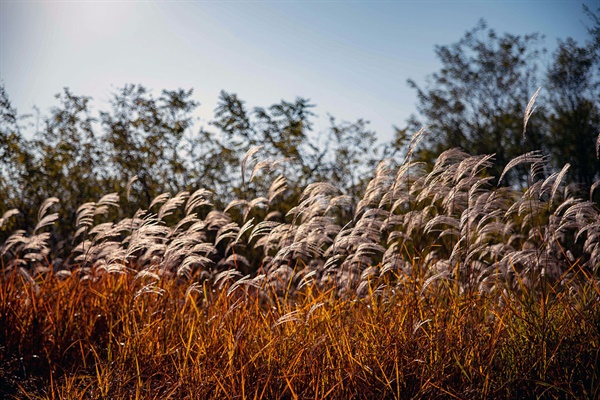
<point>351,58</point>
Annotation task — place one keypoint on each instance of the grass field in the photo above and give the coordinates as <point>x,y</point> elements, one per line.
<point>436,284</point>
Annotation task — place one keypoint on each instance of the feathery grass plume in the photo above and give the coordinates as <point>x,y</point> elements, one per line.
<point>7,215</point>
<point>415,140</point>
<point>160,199</point>
<point>130,183</point>
<point>227,231</point>
<point>248,157</point>
<point>111,199</point>
<point>248,225</point>
<point>263,228</point>
<point>593,189</point>
<point>247,281</point>
<point>43,219</point>
<point>278,187</point>
<point>263,165</point>
<point>236,203</point>
<point>216,219</point>
<point>226,276</point>
<point>532,157</point>
<point>146,274</point>
<point>198,199</point>
<point>150,288</point>
<point>292,316</point>
<point>554,179</point>
<point>172,204</point>
<point>259,202</point>
<point>307,279</point>
<point>188,219</point>
<point>85,218</point>
<point>529,110</point>
<point>49,202</point>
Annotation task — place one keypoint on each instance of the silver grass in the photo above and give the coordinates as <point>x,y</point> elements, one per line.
<point>259,202</point>
<point>369,249</point>
<point>444,275</point>
<point>223,277</point>
<point>263,228</point>
<point>128,187</point>
<point>45,221</point>
<point>529,110</point>
<point>100,229</point>
<point>192,262</point>
<point>149,289</point>
<point>310,312</point>
<point>471,166</point>
<point>273,215</point>
<point>237,203</point>
<point>247,281</point>
<point>17,238</point>
<point>531,157</point>
<point>369,272</point>
<point>441,220</point>
<point>248,157</point>
<point>203,248</point>
<point>248,225</point>
<point>263,165</point>
<point>111,268</point>
<point>307,279</point>
<point>49,202</point>
<point>228,231</point>
<point>292,316</point>
<point>111,199</point>
<point>234,260</point>
<point>196,228</point>
<point>85,215</point>
<point>172,204</point>
<point>557,181</point>
<point>198,199</point>
<point>194,287</point>
<point>7,215</point>
<point>217,219</point>
<point>144,274</point>
<point>278,187</point>
<point>414,142</point>
<point>332,262</point>
<point>160,199</point>
<point>188,219</point>
<point>319,188</point>
<point>38,243</point>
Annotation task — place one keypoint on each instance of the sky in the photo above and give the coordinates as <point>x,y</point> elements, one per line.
<point>350,58</point>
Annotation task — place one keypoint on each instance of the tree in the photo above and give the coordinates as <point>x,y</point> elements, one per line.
<point>573,85</point>
<point>573,124</point>
<point>15,159</point>
<point>353,156</point>
<point>477,99</point>
<point>144,137</point>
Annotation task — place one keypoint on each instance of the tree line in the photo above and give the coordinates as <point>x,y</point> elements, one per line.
<point>476,101</point>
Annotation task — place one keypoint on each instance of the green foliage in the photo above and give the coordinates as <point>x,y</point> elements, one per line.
<point>144,138</point>
<point>573,123</point>
<point>477,99</point>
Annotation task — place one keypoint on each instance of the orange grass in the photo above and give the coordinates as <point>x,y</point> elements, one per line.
<point>125,338</point>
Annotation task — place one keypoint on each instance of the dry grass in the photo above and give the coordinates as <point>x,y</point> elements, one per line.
<point>434,285</point>
<point>121,337</point>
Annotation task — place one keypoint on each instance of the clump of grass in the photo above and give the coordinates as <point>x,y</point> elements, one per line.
<point>127,337</point>
<point>435,284</point>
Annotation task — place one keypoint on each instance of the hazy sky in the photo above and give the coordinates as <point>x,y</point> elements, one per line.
<point>351,58</point>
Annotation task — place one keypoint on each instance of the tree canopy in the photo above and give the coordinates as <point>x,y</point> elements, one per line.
<point>147,145</point>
